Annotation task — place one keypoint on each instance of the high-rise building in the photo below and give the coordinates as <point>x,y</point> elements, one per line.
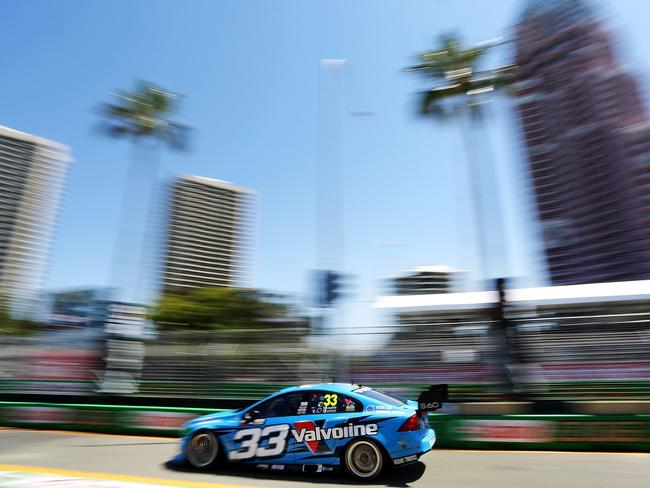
<point>78,307</point>
<point>588,145</point>
<point>425,280</point>
<point>208,234</point>
<point>32,176</point>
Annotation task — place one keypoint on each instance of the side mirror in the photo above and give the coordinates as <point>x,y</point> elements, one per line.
<point>251,416</point>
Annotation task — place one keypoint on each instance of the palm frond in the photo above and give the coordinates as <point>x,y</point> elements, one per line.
<point>144,114</point>
<point>178,136</point>
<point>455,73</point>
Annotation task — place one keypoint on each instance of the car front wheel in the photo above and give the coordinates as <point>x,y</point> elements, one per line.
<point>364,459</point>
<point>202,449</point>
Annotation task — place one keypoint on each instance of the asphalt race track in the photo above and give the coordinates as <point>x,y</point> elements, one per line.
<point>46,458</point>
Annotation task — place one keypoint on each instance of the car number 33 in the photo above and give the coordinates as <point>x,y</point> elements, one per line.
<point>330,400</point>
<point>275,435</point>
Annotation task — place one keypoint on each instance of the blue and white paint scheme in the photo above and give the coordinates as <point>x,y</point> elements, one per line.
<point>317,427</point>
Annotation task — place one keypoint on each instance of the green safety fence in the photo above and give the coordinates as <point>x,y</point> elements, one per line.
<point>110,419</point>
<point>518,432</point>
<point>543,432</point>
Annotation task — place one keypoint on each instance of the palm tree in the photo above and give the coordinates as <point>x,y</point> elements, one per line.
<point>141,116</point>
<point>458,92</point>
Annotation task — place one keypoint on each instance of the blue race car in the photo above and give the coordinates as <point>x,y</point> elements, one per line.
<point>316,428</point>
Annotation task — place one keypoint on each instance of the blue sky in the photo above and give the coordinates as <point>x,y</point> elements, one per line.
<point>251,70</point>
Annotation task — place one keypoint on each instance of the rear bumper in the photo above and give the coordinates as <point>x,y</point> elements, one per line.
<point>426,444</point>
<point>428,441</point>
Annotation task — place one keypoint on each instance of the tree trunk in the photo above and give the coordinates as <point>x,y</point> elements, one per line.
<point>135,225</point>
<point>468,135</point>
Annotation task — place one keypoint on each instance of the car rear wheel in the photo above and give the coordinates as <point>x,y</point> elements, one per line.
<point>202,449</point>
<point>364,459</point>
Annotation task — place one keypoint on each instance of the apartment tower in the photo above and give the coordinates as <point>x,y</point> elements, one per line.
<point>209,234</point>
<point>587,139</point>
<point>33,171</point>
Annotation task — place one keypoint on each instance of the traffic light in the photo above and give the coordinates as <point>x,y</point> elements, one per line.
<point>328,287</point>
<point>332,287</point>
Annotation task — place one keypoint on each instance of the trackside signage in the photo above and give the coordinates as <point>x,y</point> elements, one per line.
<point>504,430</point>
<point>160,420</point>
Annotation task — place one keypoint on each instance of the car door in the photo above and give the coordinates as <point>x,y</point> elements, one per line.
<point>265,436</point>
<point>350,415</point>
<point>324,427</point>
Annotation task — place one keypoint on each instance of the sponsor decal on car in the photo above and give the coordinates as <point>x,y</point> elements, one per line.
<point>272,440</point>
<point>349,405</point>
<point>308,432</point>
<point>429,405</point>
<point>407,459</point>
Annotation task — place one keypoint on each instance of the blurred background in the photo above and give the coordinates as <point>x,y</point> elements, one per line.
<point>217,200</point>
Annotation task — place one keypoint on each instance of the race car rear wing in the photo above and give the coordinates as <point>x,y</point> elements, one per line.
<point>431,399</point>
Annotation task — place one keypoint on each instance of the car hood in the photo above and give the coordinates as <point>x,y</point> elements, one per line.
<point>213,419</point>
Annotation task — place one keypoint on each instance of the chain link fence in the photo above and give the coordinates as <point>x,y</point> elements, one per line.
<point>569,354</point>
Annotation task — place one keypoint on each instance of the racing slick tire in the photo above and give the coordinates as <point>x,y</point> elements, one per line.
<point>203,449</point>
<point>364,459</point>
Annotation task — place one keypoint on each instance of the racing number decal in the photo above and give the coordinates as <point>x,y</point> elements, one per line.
<point>331,400</point>
<point>249,438</point>
<point>276,435</point>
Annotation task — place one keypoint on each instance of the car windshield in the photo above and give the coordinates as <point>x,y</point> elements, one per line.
<point>380,396</point>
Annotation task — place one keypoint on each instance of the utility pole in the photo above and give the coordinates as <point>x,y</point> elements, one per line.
<point>330,215</point>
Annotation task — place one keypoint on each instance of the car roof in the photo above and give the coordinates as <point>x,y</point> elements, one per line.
<point>334,387</point>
